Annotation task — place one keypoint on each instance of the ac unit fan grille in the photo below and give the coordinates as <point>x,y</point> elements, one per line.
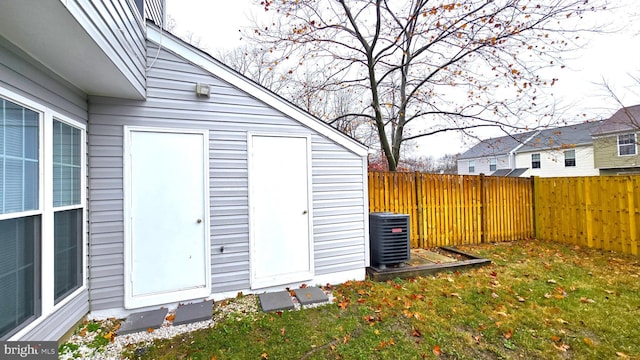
<point>389,237</point>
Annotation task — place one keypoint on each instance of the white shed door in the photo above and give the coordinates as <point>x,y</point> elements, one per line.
<point>166,249</point>
<point>279,177</point>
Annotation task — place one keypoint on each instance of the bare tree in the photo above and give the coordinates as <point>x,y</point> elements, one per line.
<point>426,67</point>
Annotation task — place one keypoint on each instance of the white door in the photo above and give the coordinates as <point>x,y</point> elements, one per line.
<point>279,180</point>
<point>166,236</point>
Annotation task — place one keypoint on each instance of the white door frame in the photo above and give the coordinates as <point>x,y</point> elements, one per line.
<point>131,302</point>
<point>258,284</point>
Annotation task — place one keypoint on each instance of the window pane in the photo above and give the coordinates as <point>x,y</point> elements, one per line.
<point>66,164</point>
<point>19,273</point>
<point>68,252</point>
<point>19,152</point>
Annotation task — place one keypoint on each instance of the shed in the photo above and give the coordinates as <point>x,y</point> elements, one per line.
<point>202,196</point>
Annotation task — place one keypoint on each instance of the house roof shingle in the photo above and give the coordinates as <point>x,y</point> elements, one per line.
<point>564,136</point>
<point>496,146</point>
<point>625,119</point>
<point>554,138</point>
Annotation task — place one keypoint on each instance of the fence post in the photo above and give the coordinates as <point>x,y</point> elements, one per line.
<point>534,223</point>
<point>632,216</point>
<point>419,208</point>
<point>483,211</point>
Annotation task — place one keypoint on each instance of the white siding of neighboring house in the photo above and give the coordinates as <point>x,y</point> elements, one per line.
<point>552,163</point>
<point>482,165</point>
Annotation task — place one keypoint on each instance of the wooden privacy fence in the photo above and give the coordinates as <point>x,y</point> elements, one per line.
<point>455,209</point>
<point>599,212</point>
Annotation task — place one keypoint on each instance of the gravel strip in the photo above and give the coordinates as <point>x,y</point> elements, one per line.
<point>241,307</point>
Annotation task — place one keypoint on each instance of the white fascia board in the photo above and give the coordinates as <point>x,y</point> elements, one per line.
<point>169,42</point>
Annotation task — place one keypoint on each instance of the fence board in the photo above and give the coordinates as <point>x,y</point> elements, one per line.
<point>598,212</point>
<point>449,210</point>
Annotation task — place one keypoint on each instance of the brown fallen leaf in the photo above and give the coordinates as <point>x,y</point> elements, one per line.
<point>264,356</point>
<point>508,334</point>
<point>555,338</point>
<point>551,281</point>
<point>171,317</point>
<point>622,355</point>
<point>587,301</point>
<point>520,299</point>
<point>149,330</point>
<point>416,333</point>
<point>588,341</point>
<point>436,350</point>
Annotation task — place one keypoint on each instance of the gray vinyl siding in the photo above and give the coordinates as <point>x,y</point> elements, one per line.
<point>22,75</point>
<point>154,10</point>
<point>116,28</point>
<point>229,114</point>
<point>59,323</point>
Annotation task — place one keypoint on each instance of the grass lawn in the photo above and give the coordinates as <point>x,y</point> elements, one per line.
<point>538,300</point>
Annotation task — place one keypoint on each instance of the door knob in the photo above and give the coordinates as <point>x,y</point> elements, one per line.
<point>304,212</point>
<point>199,221</point>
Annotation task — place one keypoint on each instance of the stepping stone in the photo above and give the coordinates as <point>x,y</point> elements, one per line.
<point>142,321</point>
<point>310,295</point>
<point>275,301</point>
<point>193,312</point>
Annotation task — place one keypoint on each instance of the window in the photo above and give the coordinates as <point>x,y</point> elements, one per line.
<point>493,164</point>
<point>68,223</point>
<point>472,166</point>
<point>569,158</point>
<point>535,161</point>
<point>29,275</point>
<point>20,224</point>
<point>627,144</point>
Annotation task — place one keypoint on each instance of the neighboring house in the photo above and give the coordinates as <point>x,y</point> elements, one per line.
<point>616,143</point>
<point>136,171</point>
<point>561,151</point>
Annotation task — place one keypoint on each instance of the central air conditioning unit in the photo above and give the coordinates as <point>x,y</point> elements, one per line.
<point>389,239</point>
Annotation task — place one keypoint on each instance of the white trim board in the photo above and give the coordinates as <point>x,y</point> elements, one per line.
<point>208,63</point>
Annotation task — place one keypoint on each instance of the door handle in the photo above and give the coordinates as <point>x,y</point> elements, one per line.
<point>199,221</point>
<point>304,212</point>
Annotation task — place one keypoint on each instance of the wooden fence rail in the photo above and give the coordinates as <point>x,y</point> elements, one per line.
<point>600,212</point>
<point>455,209</point>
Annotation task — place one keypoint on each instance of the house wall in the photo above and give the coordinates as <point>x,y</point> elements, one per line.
<point>606,154</point>
<point>339,201</point>
<point>482,165</point>
<point>118,29</point>
<point>552,163</point>
<point>25,77</point>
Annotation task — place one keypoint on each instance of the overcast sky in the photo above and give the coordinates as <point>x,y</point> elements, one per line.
<point>216,23</point>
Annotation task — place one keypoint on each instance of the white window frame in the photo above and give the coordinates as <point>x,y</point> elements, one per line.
<point>45,206</point>
<point>635,144</point>
<point>575,160</point>
<point>472,166</point>
<point>493,164</point>
<point>539,161</point>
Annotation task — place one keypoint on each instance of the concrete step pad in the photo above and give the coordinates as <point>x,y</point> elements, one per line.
<point>310,295</point>
<point>193,312</point>
<point>276,301</point>
<point>141,321</point>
